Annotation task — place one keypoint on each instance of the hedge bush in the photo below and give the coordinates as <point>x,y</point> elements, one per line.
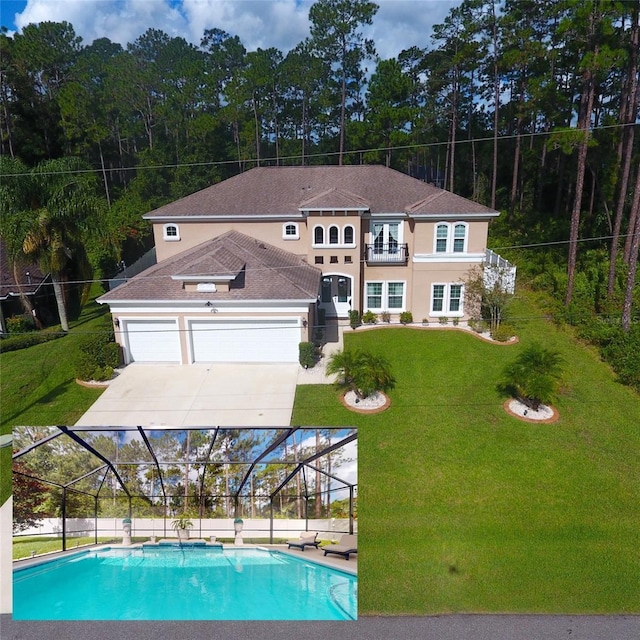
<point>22,341</point>
<point>354,319</point>
<point>406,317</point>
<point>98,356</point>
<point>307,354</point>
<point>503,332</point>
<point>368,317</point>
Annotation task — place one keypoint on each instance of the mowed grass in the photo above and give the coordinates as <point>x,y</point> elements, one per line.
<point>38,387</point>
<point>463,508</point>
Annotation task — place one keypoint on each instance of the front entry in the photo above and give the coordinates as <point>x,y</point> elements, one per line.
<point>335,295</point>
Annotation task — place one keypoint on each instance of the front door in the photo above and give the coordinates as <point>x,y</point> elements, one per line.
<point>335,296</point>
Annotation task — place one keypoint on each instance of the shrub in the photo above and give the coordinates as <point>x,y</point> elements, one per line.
<point>534,376</point>
<point>456,321</point>
<point>20,324</point>
<point>98,357</point>
<point>25,340</point>
<point>443,320</point>
<point>622,354</point>
<point>307,354</point>
<point>385,316</point>
<point>503,333</point>
<point>361,372</point>
<point>354,319</point>
<point>368,317</point>
<point>406,317</point>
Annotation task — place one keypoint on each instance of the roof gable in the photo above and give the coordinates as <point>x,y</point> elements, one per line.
<point>335,199</point>
<point>260,272</point>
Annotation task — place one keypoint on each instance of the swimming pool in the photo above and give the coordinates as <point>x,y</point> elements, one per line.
<point>183,583</point>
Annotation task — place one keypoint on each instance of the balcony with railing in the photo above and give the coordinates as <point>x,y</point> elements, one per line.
<point>392,253</point>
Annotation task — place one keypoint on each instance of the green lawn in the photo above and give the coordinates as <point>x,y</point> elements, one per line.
<point>38,385</point>
<point>463,508</point>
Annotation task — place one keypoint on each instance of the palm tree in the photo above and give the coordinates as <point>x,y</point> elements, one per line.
<point>361,372</point>
<point>48,213</point>
<point>534,377</point>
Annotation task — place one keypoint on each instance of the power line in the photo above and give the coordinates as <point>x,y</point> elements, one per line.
<point>326,154</point>
<point>361,261</point>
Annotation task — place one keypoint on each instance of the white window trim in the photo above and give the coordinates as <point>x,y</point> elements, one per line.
<point>383,221</point>
<point>295,236</point>
<point>168,238</point>
<point>384,298</point>
<point>313,238</point>
<point>446,301</point>
<point>451,226</point>
<point>341,244</point>
<point>344,234</point>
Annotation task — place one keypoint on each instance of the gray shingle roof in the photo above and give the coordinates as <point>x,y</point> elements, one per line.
<point>284,191</point>
<point>264,273</point>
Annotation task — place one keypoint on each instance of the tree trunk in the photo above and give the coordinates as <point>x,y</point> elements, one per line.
<point>496,106</point>
<point>24,299</point>
<point>628,113</point>
<point>634,234</point>
<point>586,107</point>
<point>59,293</point>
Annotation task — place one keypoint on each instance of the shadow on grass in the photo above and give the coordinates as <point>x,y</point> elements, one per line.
<point>45,399</point>
<point>91,312</point>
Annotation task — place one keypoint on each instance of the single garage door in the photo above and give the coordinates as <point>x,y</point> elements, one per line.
<point>153,340</point>
<point>244,340</point>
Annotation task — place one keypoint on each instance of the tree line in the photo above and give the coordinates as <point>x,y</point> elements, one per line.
<point>527,106</point>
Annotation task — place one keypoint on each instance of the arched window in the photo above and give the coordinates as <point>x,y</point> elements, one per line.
<point>459,237</point>
<point>318,235</point>
<point>171,232</point>
<point>290,231</point>
<point>348,234</point>
<point>334,235</point>
<point>442,235</point>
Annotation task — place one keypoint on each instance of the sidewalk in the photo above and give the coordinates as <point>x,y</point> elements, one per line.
<point>334,342</point>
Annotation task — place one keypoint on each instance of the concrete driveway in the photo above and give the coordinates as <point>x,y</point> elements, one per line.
<point>197,395</point>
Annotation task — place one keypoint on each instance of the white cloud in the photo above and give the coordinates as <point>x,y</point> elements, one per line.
<point>398,25</point>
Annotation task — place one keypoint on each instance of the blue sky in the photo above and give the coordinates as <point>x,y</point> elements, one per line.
<point>398,25</point>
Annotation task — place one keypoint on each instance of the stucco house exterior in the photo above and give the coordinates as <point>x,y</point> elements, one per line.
<point>249,266</point>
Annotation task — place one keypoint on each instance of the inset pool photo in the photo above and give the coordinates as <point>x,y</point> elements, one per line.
<point>185,524</point>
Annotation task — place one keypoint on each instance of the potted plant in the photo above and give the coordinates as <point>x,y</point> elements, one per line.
<point>182,524</point>
<point>237,524</point>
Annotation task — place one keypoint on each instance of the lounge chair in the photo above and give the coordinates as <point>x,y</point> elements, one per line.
<point>348,544</point>
<point>306,539</point>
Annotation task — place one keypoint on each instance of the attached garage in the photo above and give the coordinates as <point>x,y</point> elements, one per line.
<point>244,340</point>
<point>152,340</point>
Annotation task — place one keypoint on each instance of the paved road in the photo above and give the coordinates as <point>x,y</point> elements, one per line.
<point>455,627</point>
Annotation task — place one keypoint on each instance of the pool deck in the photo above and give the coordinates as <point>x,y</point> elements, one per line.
<point>311,555</point>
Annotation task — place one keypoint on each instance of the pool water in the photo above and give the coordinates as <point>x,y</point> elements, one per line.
<point>182,583</point>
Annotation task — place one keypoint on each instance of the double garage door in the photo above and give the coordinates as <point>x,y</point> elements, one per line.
<point>237,340</point>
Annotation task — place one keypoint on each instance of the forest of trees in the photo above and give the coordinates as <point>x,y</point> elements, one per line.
<point>527,106</point>
<point>202,473</point>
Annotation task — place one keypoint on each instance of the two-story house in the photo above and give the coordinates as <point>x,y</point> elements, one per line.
<point>249,266</point>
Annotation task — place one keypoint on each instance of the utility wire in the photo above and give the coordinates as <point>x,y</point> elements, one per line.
<point>326,154</point>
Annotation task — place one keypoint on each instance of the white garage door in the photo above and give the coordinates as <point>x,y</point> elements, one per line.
<point>153,340</point>
<point>244,340</point>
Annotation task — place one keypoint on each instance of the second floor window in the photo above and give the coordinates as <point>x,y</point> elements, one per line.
<point>334,235</point>
<point>290,231</point>
<point>451,238</point>
<point>171,232</point>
